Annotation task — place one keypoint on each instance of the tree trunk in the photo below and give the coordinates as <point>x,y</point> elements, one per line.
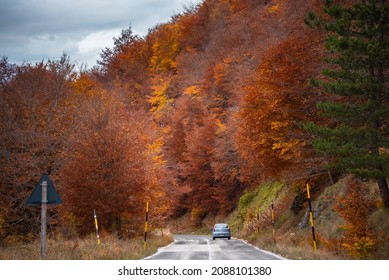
<point>384,190</point>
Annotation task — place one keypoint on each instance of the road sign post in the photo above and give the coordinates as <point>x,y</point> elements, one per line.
<point>43,219</point>
<point>43,194</point>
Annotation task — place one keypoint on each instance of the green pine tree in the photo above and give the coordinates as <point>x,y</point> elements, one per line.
<point>357,76</point>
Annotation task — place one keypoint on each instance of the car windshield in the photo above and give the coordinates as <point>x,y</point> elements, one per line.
<point>221,226</point>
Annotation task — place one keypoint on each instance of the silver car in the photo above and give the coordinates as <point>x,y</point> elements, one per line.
<point>221,231</point>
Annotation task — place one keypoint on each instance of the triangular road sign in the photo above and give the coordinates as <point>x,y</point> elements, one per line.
<point>36,195</point>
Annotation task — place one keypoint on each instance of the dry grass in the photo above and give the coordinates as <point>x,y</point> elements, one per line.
<point>294,245</point>
<point>110,248</point>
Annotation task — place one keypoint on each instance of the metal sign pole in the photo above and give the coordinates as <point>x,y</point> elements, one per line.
<point>43,219</point>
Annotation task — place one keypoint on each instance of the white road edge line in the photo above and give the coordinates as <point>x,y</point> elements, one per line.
<point>267,252</point>
<point>160,249</point>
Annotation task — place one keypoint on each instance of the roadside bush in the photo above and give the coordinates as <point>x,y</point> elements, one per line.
<point>355,207</point>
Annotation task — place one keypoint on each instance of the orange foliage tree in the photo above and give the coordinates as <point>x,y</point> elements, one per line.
<point>165,40</point>
<point>125,68</point>
<point>105,167</point>
<point>36,120</point>
<point>270,139</point>
<point>196,168</point>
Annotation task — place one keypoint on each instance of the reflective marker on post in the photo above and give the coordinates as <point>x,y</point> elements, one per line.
<point>311,217</point>
<point>97,227</point>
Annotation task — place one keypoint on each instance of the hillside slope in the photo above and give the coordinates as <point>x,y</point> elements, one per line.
<point>349,221</point>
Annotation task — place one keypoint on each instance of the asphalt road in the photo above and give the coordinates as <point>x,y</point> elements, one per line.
<point>202,247</point>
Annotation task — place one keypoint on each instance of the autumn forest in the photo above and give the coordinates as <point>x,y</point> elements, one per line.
<point>227,95</point>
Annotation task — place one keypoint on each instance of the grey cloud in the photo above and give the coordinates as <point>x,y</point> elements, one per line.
<point>39,29</point>
<point>42,16</point>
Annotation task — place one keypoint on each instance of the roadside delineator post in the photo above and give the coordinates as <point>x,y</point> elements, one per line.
<point>272,221</point>
<point>97,227</point>
<point>146,226</point>
<point>258,223</point>
<point>311,217</point>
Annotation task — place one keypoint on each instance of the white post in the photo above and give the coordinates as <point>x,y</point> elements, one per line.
<point>43,219</point>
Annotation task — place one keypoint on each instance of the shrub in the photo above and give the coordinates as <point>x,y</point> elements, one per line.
<point>355,207</point>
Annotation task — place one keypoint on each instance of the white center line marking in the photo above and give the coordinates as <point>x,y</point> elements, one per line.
<point>209,249</point>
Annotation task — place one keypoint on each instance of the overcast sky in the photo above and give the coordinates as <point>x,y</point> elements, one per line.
<point>32,30</point>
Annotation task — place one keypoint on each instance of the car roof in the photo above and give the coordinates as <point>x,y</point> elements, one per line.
<point>221,224</point>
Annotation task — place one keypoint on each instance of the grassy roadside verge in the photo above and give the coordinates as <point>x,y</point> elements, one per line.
<point>110,248</point>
